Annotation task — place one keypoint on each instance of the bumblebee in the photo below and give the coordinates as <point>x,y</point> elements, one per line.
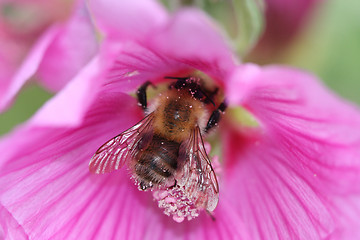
<point>165,150</point>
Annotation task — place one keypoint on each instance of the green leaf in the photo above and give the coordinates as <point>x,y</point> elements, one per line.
<point>28,101</point>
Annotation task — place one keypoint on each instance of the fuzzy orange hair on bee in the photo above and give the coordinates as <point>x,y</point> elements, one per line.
<point>165,150</point>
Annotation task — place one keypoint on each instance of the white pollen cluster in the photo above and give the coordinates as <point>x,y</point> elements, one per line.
<point>176,204</point>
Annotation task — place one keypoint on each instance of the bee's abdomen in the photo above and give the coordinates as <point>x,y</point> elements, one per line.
<point>157,163</point>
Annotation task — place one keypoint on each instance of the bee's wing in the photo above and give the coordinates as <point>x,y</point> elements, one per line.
<point>113,154</point>
<point>196,174</point>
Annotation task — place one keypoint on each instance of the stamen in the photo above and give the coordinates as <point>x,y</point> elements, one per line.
<point>176,203</point>
<point>176,200</point>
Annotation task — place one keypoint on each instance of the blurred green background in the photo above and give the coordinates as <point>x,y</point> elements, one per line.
<point>328,45</point>
<point>28,101</point>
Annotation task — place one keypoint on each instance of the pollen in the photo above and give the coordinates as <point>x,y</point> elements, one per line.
<point>176,204</point>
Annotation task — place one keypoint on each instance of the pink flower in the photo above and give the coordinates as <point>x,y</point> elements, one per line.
<point>284,21</point>
<point>293,176</point>
<point>40,41</point>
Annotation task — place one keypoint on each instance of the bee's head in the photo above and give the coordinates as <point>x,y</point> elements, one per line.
<point>193,84</point>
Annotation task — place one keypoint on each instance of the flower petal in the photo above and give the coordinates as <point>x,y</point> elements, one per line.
<point>68,107</point>
<point>57,158</point>
<point>290,102</point>
<point>276,199</point>
<point>190,37</point>
<point>12,85</point>
<point>136,64</point>
<point>299,171</point>
<point>129,20</point>
<point>47,191</point>
<point>10,228</point>
<point>74,45</point>
<point>171,42</point>
<point>55,58</point>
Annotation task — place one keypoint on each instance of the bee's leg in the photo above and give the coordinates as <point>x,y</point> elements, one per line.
<point>215,116</point>
<point>141,94</point>
<point>174,185</point>
<point>211,216</point>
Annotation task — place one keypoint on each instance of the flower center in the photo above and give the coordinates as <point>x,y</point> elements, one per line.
<point>239,116</point>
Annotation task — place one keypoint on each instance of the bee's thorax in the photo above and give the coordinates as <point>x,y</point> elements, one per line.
<point>177,114</point>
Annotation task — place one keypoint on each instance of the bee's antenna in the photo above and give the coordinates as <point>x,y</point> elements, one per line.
<point>181,81</point>
<point>198,88</point>
<point>207,97</point>
<point>177,78</point>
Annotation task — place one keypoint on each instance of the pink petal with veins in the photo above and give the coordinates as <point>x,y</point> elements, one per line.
<point>299,174</point>
<point>295,176</point>
<point>68,107</point>
<point>127,20</point>
<point>28,68</point>
<point>74,45</point>
<point>48,195</point>
<point>190,37</point>
<point>159,55</point>
<point>56,57</point>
